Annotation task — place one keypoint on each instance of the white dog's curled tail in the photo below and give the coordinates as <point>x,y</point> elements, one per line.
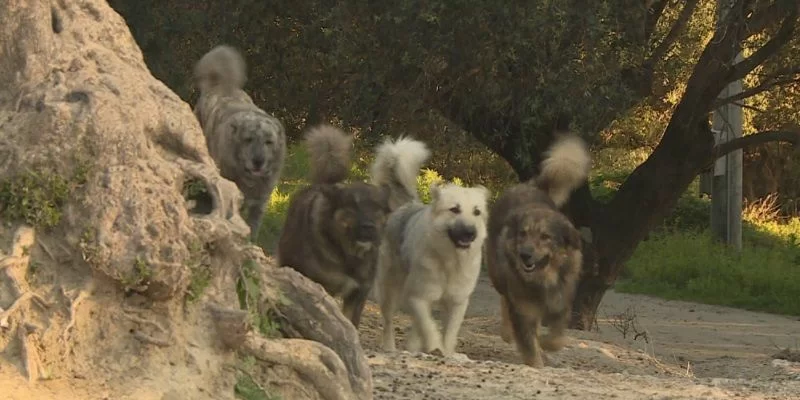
<point>329,154</point>
<point>222,67</point>
<point>565,167</point>
<point>396,166</point>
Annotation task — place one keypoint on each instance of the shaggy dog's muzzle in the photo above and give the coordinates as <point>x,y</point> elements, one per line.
<point>257,166</point>
<point>532,260</point>
<point>462,235</point>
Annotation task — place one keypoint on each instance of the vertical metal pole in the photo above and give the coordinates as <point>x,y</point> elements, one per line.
<point>726,181</point>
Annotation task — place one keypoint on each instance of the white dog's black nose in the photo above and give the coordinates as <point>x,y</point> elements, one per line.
<point>462,235</point>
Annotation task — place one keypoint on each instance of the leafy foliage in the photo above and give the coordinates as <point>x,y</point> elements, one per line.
<point>38,196</point>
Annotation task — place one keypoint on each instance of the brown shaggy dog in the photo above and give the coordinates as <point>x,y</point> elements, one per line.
<point>333,229</point>
<point>534,253</point>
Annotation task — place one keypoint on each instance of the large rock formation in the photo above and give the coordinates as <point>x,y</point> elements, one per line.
<point>107,276</point>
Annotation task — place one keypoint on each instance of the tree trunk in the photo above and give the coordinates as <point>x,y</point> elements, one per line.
<point>643,201</point>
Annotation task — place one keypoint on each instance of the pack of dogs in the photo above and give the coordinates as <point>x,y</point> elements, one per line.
<point>378,240</point>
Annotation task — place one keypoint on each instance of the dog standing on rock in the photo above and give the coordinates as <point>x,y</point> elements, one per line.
<point>432,254</point>
<point>333,229</point>
<point>534,253</point>
<point>247,144</point>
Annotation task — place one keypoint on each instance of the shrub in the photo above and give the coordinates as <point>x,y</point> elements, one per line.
<point>691,266</point>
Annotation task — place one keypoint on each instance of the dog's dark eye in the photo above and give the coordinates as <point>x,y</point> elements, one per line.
<point>476,212</point>
<point>545,236</point>
<point>248,140</point>
<point>455,210</point>
<point>269,143</point>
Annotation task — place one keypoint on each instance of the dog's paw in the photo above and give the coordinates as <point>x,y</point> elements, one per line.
<point>460,357</point>
<point>389,347</point>
<point>505,334</point>
<point>536,361</point>
<point>552,343</point>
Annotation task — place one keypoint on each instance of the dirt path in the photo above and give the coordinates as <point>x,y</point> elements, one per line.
<point>691,351</point>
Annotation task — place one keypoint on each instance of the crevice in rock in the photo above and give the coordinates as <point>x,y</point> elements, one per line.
<point>197,196</point>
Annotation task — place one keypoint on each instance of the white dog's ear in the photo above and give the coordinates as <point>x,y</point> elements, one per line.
<point>436,189</point>
<point>486,192</point>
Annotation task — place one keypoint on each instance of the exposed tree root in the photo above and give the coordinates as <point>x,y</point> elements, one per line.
<point>311,360</point>
<point>73,308</point>
<point>24,298</point>
<point>306,311</point>
<point>30,355</point>
<point>15,265</point>
<point>146,338</point>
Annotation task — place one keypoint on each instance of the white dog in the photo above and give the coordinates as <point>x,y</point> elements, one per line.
<point>432,254</point>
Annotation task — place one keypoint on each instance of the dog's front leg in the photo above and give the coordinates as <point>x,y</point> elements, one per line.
<point>255,211</point>
<point>556,338</point>
<point>413,342</point>
<point>426,327</point>
<point>505,321</point>
<point>454,314</point>
<point>525,335</point>
<point>353,304</point>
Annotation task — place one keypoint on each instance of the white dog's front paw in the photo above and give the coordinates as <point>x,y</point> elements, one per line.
<point>413,346</point>
<point>388,347</point>
<point>460,357</point>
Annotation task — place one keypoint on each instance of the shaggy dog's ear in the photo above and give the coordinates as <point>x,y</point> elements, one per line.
<point>511,223</point>
<point>331,192</point>
<point>570,236</point>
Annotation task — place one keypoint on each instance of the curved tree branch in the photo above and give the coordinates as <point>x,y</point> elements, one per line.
<point>755,139</point>
<point>767,84</point>
<point>773,45</point>
<point>766,17</point>
<point>674,32</point>
<point>654,13</point>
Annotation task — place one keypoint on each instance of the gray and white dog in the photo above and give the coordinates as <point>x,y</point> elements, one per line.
<point>248,144</point>
<point>432,254</point>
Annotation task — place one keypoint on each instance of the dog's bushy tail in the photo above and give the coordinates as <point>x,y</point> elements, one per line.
<point>329,154</point>
<point>222,67</point>
<point>565,167</point>
<point>396,166</point>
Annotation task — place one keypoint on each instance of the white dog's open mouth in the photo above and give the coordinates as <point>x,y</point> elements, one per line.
<point>462,235</point>
<point>463,244</point>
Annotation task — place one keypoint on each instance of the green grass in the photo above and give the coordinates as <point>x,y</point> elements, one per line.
<point>246,387</point>
<point>681,261</point>
<point>691,266</point>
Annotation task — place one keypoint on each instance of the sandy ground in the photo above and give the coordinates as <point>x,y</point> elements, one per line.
<point>683,350</point>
